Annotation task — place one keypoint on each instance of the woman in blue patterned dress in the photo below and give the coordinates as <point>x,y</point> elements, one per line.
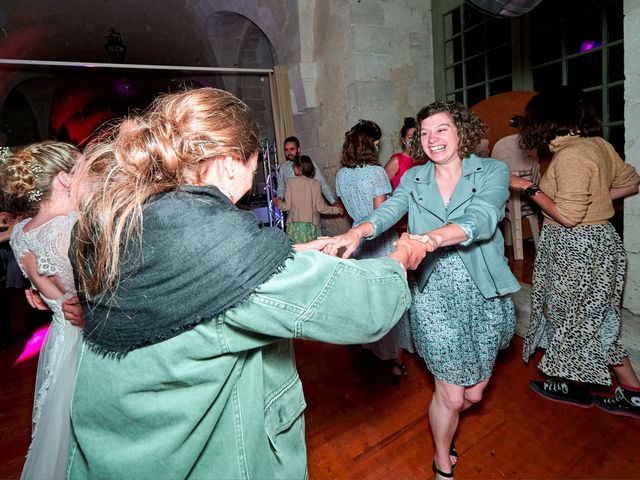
<point>461,313</point>
<point>362,186</point>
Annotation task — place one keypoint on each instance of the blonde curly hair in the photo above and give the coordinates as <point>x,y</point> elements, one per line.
<point>27,174</point>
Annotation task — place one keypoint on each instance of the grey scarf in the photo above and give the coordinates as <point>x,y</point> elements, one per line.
<point>200,255</point>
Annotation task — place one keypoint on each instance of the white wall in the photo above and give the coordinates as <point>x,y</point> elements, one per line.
<point>632,151</point>
<point>371,60</point>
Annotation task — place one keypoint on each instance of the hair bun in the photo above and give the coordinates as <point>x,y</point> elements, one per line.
<point>18,174</point>
<point>409,122</point>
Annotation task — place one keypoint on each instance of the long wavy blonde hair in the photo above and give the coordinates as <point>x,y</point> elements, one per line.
<point>169,145</point>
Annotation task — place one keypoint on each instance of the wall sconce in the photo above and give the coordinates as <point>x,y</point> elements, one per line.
<point>114,47</point>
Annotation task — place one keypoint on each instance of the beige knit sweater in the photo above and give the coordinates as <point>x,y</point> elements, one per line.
<point>579,177</point>
<point>303,200</point>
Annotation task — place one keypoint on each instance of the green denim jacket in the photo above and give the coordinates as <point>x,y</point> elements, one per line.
<point>224,400</point>
<point>476,205</point>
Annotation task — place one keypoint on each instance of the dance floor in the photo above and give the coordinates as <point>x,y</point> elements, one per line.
<point>360,426</point>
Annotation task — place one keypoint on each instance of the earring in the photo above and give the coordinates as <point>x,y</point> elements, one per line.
<point>68,192</point>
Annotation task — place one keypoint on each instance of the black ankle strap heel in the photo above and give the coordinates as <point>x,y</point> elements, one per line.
<point>437,471</point>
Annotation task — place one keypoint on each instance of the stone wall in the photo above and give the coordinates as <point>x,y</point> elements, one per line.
<point>371,61</point>
<point>632,151</point>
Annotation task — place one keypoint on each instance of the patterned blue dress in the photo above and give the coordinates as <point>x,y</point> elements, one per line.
<point>456,330</point>
<point>357,187</point>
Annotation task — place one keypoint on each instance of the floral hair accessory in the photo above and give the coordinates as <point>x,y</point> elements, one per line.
<point>34,195</point>
<point>35,168</point>
<point>5,153</point>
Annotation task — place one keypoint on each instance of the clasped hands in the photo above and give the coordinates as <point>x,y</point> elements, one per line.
<point>410,248</point>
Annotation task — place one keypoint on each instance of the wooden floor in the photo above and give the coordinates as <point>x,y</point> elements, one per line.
<point>359,426</point>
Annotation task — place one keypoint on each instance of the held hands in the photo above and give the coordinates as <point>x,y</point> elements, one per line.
<point>318,244</point>
<point>430,241</point>
<point>411,249</point>
<point>349,241</point>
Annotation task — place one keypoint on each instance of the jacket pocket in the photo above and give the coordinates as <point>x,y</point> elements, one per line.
<point>282,412</point>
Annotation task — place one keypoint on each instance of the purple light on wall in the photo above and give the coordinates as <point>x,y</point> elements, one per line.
<point>587,45</point>
<point>125,88</point>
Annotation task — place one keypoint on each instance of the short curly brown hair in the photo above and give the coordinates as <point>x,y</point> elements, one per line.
<point>470,128</point>
<point>558,112</point>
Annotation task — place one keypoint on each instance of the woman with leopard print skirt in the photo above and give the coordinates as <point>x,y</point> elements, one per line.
<point>580,265</point>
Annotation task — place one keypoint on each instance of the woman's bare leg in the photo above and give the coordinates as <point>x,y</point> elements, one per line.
<point>626,375</point>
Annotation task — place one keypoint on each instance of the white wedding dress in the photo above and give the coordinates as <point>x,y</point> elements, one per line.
<point>47,457</point>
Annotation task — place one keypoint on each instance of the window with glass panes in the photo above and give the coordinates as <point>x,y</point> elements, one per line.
<point>582,47</point>
<point>560,42</point>
<point>477,55</point>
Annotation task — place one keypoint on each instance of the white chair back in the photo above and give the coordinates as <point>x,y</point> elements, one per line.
<point>523,163</point>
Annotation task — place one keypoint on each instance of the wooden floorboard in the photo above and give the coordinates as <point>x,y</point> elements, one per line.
<point>359,426</point>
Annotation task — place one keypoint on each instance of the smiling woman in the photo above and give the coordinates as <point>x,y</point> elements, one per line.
<point>461,313</point>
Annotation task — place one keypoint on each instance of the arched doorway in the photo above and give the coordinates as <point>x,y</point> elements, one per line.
<point>237,42</point>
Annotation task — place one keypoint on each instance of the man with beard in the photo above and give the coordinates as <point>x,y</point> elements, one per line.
<point>292,151</point>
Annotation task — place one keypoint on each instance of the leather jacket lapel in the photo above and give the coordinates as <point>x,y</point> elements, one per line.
<point>466,187</point>
<point>426,194</point>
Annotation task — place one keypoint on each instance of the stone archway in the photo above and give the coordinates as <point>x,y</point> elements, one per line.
<point>289,27</point>
<point>237,42</point>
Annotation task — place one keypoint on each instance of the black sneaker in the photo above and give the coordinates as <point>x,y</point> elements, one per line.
<point>562,391</point>
<point>626,402</point>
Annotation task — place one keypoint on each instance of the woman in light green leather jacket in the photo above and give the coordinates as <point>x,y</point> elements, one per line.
<point>187,367</point>
<point>461,312</point>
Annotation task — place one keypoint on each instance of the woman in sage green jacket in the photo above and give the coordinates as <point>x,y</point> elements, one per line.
<point>461,313</point>
<point>187,367</point>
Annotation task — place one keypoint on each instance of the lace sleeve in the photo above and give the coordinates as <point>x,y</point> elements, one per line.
<point>49,244</point>
<point>53,245</point>
<point>18,243</point>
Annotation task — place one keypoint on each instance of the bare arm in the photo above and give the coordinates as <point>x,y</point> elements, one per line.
<point>445,236</point>
<point>350,240</point>
<point>392,167</point>
<point>323,207</point>
<point>379,200</point>
<point>545,203</point>
<point>49,286</point>
<point>622,192</point>
<point>410,251</point>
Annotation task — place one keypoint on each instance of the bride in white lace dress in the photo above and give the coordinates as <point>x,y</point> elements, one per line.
<point>39,177</point>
